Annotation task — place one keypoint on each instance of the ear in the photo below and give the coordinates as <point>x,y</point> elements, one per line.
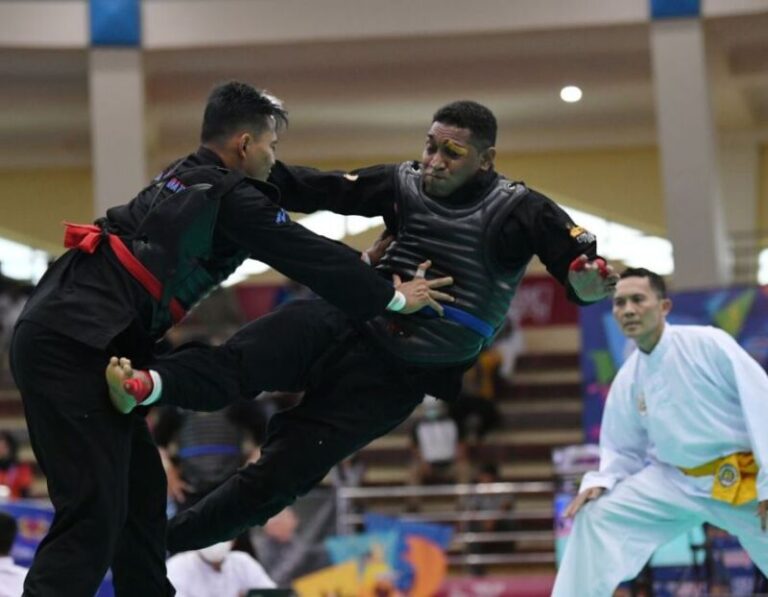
<point>487,157</point>
<point>666,306</point>
<point>243,140</point>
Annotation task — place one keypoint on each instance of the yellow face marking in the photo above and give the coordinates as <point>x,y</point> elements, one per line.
<point>451,145</point>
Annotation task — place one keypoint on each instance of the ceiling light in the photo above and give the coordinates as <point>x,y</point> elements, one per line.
<point>570,94</point>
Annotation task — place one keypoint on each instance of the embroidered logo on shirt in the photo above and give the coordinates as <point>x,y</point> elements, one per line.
<point>175,185</point>
<point>581,235</point>
<point>281,217</point>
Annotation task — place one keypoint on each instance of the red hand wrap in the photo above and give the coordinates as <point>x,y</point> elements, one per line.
<point>578,265</point>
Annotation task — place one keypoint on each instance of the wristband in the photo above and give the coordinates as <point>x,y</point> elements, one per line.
<point>365,258</point>
<point>397,303</point>
<point>157,388</point>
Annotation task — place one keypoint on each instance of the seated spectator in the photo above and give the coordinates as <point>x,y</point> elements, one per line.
<point>210,447</point>
<point>15,477</point>
<point>489,473</point>
<point>11,576</point>
<point>216,570</point>
<point>285,554</point>
<point>488,502</point>
<point>438,457</point>
<point>476,412</point>
<point>350,472</point>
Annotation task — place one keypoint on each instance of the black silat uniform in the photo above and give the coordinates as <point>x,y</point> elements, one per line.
<point>361,381</point>
<point>104,475</point>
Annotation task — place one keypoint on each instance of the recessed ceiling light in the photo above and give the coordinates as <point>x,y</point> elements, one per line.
<point>570,94</point>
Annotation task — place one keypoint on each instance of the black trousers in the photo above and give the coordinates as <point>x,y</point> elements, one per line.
<point>354,394</point>
<point>104,474</point>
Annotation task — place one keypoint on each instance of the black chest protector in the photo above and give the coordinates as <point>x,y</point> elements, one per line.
<point>174,241</point>
<point>460,242</point>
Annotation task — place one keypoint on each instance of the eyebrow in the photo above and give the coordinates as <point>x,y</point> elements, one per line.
<point>454,146</point>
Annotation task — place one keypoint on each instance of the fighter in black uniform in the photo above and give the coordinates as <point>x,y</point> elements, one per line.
<point>123,284</point>
<point>453,208</point>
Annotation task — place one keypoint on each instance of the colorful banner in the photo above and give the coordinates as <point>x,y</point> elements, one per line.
<point>412,569</point>
<point>742,312</point>
<point>34,518</point>
<point>541,301</point>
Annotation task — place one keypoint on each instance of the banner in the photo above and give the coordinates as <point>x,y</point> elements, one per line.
<point>34,518</point>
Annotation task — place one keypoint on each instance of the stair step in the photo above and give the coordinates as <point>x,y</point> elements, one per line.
<point>547,377</point>
<point>555,339</point>
<point>541,406</point>
<point>539,361</point>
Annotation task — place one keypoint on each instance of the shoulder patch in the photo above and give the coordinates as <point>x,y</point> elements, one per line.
<point>581,235</point>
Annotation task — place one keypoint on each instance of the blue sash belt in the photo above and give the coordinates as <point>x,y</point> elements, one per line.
<point>485,329</point>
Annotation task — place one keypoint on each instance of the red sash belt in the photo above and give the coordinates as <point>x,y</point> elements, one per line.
<point>86,237</point>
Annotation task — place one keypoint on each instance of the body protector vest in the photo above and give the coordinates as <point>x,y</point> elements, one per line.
<point>460,242</point>
<point>174,242</point>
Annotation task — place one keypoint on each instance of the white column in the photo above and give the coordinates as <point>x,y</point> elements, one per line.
<point>118,152</point>
<point>740,168</point>
<point>688,149</point>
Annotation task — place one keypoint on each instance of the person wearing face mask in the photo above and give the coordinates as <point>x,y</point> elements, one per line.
<point>452,215</point>
<point>216,570</point>
<point>683,441</point>
<point>437,456</point>
<point>123,283</point>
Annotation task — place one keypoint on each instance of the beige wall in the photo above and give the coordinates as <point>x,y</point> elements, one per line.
<point>762,201</point>
<point>33,203</point>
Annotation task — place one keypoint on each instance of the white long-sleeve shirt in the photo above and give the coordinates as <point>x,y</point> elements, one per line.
<point>11,578</point>
<point>695,397</point>
<point>193,577</point>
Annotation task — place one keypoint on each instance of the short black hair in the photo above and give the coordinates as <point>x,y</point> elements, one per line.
<point>655,280</point>
<point>8,528</point>
<point>467,114</point>
<point>234,105</point>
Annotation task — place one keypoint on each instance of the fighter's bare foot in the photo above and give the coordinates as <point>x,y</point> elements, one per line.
<point>128,387</point>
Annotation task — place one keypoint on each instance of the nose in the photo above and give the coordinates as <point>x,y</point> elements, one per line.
<point>627,309</point>
<point>436,162</point>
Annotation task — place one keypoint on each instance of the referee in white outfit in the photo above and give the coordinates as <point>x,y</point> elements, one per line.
<point>684,440</point>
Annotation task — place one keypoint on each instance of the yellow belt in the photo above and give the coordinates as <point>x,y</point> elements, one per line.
<point>735,479</point>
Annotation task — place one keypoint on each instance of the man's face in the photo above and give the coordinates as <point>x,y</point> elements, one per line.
<point>449,159</point>
<point>638,309</point>
<point>258,152</point>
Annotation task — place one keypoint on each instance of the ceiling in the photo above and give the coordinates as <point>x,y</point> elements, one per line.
<point>354,100</point>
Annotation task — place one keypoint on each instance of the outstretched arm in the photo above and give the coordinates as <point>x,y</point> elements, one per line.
<point>538,226</point>
<point>365,192</point>
<point>332,270</point>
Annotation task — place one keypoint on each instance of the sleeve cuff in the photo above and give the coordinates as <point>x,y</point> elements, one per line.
<point>157,389</point>
<point>595,479</point>
<point>397,303</point>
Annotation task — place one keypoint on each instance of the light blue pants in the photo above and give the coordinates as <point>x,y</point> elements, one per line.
<point>614,536</point>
